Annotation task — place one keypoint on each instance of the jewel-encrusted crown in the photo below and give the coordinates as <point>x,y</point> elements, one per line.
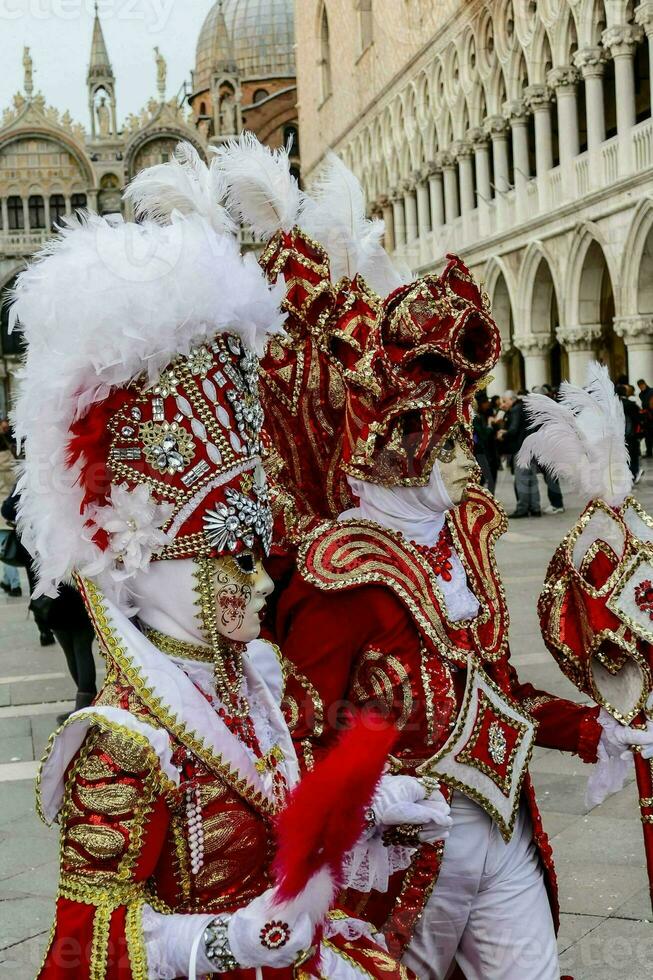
<point>193,438</point>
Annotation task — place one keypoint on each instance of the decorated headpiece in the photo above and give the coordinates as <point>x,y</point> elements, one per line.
<point>138,402</point>
<point>433,345</point>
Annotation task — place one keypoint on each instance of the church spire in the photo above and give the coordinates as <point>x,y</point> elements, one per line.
<point>100,65</point>
<point>101,86</point>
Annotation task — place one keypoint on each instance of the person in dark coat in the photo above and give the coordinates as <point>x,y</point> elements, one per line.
<point>64,618</point>
<point>646,398</point>
<point>527,490</point>
<point>631,412</point>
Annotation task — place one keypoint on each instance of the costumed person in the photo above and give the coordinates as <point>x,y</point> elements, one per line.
<point>397,601</point>
<point>596,608</point>
<point>140,416</point>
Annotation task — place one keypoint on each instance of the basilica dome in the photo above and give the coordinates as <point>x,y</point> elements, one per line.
<point>257,36</point>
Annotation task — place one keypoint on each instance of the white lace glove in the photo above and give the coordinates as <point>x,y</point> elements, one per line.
<point>260,935</point>
<point>404,800</point>
<point>615,757</point>
<point>619,739</point>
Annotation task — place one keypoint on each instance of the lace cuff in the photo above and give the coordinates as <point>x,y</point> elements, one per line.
<point>370,864</point>
<point>169,941</point>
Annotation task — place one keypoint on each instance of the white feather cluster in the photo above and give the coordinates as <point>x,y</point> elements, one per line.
<point>581,437</point>
<point>261,191</point>
<point>334,215</point>
<point>104,303</point>
<point>185,185</point>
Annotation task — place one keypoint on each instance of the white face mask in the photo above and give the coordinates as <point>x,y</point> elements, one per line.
<point>233,600</point>
<point>457,471</point>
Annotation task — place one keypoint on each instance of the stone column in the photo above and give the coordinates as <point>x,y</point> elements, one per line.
<point>398,220</point>
<point>538,99</point>
<point>410,211</point>
<point>386,207</point>
<point>563,81</point>
<point>499,383</point>
<point>621,41</point>
<point>644,17</point>
<point>637,333</point>
<point>423,206</point>
<point>451,205</point>
<point>5,214</point>
<point>516,114</point>
<point>495,127</point>
<point>535,349</point>
<point>436,194</point>
<point>591,62</point>
<point>580,342</point>
<point>69,204</point>
<point>478,138</point>
<point>25,214</point>
<point>463,150</point>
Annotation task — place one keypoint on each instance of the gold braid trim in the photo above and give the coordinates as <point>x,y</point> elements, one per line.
<point>100,945</point>
<point>136,942</point>
<point>214,761</point>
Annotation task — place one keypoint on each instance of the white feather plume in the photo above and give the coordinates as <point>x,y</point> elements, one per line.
<point>102,304</point>
<point>334,215</point>
<point>581,437</point>
<point>261,191</point>
<point>184,185</point>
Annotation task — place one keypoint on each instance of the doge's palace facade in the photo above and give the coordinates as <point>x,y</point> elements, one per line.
<point>516,133</point>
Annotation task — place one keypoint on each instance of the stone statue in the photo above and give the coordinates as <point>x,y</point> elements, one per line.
<point>228,115</point>
<point>28,68</point>
<point>103,117</point>
<point>161,73</point>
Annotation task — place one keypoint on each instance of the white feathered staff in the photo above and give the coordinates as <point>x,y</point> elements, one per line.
<point>581,437</point>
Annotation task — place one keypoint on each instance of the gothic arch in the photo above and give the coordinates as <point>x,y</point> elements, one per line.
<point>538,289</point>
<point>584,279</point>
<point>56,136</point>
<point>636,273</point>
<point>500,287</point>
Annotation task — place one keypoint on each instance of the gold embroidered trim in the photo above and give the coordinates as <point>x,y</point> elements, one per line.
<point>216,762</point>
<point>179,648</point>
<point>136,942</point>
<point>100,943</point>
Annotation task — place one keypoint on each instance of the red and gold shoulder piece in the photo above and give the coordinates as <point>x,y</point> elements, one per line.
<point>338,555</point>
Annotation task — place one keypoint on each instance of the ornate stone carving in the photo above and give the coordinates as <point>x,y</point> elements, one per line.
<point>537,97</point>
<point>581,337</point>
<point>590,62</point>
<point>533,344</point>
<point>495,127</point>
<point>636,329</point>
<point>515,110</point>
<point>622,39</point>
<point>564,76</point>
<point>644,15</point>
<point>445,160</point>
<point>477,136</point>
<point>462,148</point>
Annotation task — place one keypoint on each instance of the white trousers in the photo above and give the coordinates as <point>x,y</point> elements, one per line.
<point>489,910</point>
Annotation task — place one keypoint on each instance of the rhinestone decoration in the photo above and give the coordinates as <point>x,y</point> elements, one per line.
<point>497,745</point>
<point>216,945</point>
<point>274,935</point>
<point>200,362</point>
<point>644,597</point>
<point>240,519</point>
<point>168,447</point>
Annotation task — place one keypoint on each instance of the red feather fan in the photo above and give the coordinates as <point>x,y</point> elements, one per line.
<point>325,814</point>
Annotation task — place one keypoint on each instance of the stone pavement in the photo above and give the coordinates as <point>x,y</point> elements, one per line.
<point>606,932</point>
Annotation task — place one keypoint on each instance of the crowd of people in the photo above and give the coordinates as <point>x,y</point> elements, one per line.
<point>501,426</point>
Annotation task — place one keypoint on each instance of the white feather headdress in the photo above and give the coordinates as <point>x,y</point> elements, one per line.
<point>261,190</point>
<point>581,437</point>
<point>183,186</point>
<point>103,304</point>
<point>334,214</point>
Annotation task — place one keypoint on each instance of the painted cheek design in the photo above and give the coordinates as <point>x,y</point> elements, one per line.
<point>232,601</point>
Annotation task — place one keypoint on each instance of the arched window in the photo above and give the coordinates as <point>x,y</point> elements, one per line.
<point>294,170</point>
<point>642,81</point>
<point>260,94</point>
<point>291,140</point>
<point>36,208</point>
<point>202,108</point>
<point>325,55</point>
<point>365,23</point>
<point>78,201</point>
<point>15,214</point>
<point>57,209</point>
